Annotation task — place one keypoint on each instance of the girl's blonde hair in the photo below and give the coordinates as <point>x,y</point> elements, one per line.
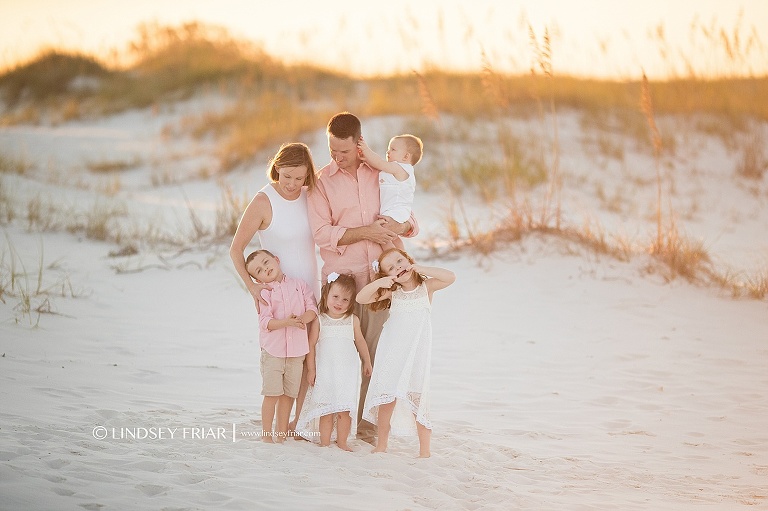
<point>294,154</point>
<point>347,283</point>
<point>387,302</point>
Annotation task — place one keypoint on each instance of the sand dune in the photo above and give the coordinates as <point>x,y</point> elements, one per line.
<point>561,380</point>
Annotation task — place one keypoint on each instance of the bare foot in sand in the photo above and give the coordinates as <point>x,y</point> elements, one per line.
<point>380,447</point>
<point>344,447</point>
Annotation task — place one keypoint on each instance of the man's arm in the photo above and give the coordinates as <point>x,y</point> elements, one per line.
<point>407,229</point>
<point>376,232</point>
<point>334,237</point>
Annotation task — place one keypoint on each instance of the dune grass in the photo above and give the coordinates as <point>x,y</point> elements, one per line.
<point>268,102</point>
<point>32,291</point>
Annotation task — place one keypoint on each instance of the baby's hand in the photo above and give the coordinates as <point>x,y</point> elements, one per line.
<point>367,369</point>
<point>362,148</point>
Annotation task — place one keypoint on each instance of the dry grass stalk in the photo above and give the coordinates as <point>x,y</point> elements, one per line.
<point>757,285</point>
<point>543,53</point>
<point>229,211</point>
<point>753,163</point>
<point>646,106</point>
<point>428,106</point>
<point>682,256</point>
<point>492,83</point>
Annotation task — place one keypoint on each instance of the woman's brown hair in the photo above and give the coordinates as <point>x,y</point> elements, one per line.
<point>294,154</point>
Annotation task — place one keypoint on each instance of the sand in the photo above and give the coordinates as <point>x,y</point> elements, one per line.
<point>561,380</point>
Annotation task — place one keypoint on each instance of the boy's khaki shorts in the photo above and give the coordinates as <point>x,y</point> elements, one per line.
<point>280,375</point>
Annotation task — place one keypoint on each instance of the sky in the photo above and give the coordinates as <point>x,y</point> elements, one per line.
<point>597,38</point>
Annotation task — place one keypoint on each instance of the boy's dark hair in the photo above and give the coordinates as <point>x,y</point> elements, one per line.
<point>253,255</point>
<point>347,282</point>
<point>344,125</point>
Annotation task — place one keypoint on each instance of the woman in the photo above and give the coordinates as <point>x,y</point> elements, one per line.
<point>278,213</point>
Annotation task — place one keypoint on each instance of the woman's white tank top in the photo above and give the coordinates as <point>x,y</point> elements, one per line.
<point>289,237</point>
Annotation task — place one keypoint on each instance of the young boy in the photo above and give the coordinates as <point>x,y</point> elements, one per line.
<point>283,336</point>
<point>397,184</point>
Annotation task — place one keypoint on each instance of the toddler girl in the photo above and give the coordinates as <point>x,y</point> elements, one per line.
<point>333,365</point>
<point>398,395</point>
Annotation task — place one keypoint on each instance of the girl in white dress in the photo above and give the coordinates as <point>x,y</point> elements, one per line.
<point>398,395</point>
<point>333,366</point>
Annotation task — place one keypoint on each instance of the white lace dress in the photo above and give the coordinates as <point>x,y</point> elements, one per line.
<point>401,366</point>
<point>338,376</point>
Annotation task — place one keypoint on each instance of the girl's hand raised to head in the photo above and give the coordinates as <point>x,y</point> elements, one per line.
<point>386,282</point>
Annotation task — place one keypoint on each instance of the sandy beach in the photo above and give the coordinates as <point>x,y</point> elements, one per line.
<point>561,379</point>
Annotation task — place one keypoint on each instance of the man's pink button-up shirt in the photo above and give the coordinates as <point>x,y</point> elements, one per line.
<point>289,296</point>
<point>339,202</point>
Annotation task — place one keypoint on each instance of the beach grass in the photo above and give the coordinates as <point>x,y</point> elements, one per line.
<point>267,101</point>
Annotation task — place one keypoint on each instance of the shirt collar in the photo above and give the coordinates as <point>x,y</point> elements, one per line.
<point>334,167</point>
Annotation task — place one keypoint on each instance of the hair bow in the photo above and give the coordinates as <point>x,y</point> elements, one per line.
<point>332,277</point>
<point>375,266</point>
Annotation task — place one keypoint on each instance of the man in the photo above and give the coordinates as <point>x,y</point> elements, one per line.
<point>345,221</point>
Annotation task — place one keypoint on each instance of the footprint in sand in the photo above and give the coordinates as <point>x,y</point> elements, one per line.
<point>57,464</point>
<point>151,490</point>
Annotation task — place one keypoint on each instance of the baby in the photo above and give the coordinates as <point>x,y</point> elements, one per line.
<point>397,183</point>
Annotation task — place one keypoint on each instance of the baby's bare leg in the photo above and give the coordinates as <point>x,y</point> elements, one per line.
<point>385,416</point>
<point>326,428</point>
<point>343,426</point>
<point>425,436</point>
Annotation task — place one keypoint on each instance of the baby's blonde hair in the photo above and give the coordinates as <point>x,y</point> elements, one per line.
<point>413,145</point>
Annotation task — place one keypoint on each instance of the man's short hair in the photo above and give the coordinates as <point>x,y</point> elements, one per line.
<point>344,125</point>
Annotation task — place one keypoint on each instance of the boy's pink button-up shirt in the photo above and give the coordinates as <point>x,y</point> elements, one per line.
<point>339,202</point>
<point>289,296</point>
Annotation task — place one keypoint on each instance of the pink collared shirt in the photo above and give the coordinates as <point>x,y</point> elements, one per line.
<point>289,296</point>
<point>338,202</point>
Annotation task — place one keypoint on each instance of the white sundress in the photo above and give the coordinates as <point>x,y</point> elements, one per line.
<point>402,363</point>
<point>337,377</point>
